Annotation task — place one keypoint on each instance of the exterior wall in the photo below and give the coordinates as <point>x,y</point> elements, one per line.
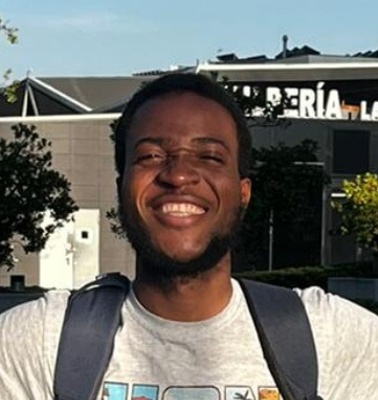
<point>337,249</point>
<point>83,152</point>
<point>71,256</point>
<point>28,266</point>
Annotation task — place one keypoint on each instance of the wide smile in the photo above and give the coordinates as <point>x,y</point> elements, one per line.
<point>179,213</point>
<point>182,210</point>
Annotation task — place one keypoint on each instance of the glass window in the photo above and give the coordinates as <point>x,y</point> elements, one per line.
<point>350,151</point>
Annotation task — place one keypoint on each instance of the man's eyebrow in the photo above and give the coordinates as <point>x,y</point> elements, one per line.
<point>151,140</point>
<point>210,140</point>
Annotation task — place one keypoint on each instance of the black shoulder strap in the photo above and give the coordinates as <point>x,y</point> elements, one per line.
<point>286,338</point>
<point>92,318</point>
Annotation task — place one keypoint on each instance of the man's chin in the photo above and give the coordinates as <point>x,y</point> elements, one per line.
<point>157,264</point>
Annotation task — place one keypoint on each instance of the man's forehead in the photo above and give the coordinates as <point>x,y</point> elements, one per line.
<point>175,95</point>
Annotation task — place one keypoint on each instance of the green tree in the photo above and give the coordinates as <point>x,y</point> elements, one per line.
<point>359,211</point>
<point>287,185</point>
<point>282,225</point>
<point>8,87</point>
<point>29,188</point>
<point>255,102</point>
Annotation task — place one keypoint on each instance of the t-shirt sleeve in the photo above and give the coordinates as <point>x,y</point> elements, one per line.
<point>29,336</point>
<point>21,352</point>
<point>346,338</point>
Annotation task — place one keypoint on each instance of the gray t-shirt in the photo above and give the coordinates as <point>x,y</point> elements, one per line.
<point>216,359</point>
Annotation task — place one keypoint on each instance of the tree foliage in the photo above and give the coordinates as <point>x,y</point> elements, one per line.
<point>9,87</point>
<point>255,106</point>
<point>359,211</point>
<point>29,188</point>
<point>10,32</point>
<point>287,184</point>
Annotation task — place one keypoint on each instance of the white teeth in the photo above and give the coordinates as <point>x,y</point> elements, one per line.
<point>182,209</point>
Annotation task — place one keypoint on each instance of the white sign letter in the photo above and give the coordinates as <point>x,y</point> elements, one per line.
<point>333,108</point>
<point>364,114</point>
<point>306,103</point>
<point>273,95</point>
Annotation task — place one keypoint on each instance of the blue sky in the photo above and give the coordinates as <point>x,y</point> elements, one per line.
<point>114,37</point>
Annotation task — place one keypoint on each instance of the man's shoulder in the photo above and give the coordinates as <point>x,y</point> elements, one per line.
<point>29,336</point>
<point>324,306</point>
<point>51,304</point>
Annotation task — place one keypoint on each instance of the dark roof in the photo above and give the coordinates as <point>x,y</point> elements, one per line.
<point>367,54</point>
<point>227,57</point>
<point>298,51</point>
<point>97,92</point>
<point>71,95</point>
<point>76,95</point>
<point>155,73</point>
<point>32,99</point>
<point>233,59</point>
<point>304,54</point>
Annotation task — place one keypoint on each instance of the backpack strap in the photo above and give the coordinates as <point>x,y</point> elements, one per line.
<point>92,318</point>
<point>286,338</point>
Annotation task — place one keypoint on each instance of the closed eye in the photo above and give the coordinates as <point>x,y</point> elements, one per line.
<point>149,158</point>
<point>212,157</point>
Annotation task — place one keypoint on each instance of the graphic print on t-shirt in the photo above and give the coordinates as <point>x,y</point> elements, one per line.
<point>239,393</point>
<point>268,393</point>
<point>121,391</point>
<point>115,391</point>
<point>191,392</point>
<point>145,392</point>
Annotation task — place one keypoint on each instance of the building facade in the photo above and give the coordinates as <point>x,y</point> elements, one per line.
<point>83,152</point>
<point>332,100</point>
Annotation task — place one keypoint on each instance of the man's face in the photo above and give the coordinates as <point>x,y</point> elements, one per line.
<point>181,193</point>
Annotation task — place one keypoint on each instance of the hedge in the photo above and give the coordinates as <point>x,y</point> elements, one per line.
<point>314,276</point>
<point>309,276</point>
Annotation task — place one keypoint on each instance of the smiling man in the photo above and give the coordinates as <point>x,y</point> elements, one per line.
<point>182,156</point>
<point>181,197</point>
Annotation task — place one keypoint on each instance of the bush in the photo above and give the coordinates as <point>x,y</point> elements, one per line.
<point>309,276</point>
<point>315,276</point>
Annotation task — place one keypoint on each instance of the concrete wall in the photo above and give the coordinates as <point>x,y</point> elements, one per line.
<point>82,150</point>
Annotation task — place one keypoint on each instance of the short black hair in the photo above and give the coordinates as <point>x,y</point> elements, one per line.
<point>180,82</point>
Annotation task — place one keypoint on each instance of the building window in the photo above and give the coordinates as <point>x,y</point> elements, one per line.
<point>350,151</point>
<point>84,236</point>
<point>17,282</point>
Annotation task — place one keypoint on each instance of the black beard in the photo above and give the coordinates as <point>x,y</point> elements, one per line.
<point>157,266</point>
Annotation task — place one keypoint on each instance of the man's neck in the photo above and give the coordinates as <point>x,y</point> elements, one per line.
<point>186,299</point>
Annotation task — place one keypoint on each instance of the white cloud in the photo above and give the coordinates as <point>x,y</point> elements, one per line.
<point>94,23</point>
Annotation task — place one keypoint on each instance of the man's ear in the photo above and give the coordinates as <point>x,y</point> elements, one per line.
<point>245,191</point>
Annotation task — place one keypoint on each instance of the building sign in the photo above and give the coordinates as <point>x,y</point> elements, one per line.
<point>317,103</point>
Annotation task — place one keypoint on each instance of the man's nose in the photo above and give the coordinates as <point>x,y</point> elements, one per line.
<point>179,170</point>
